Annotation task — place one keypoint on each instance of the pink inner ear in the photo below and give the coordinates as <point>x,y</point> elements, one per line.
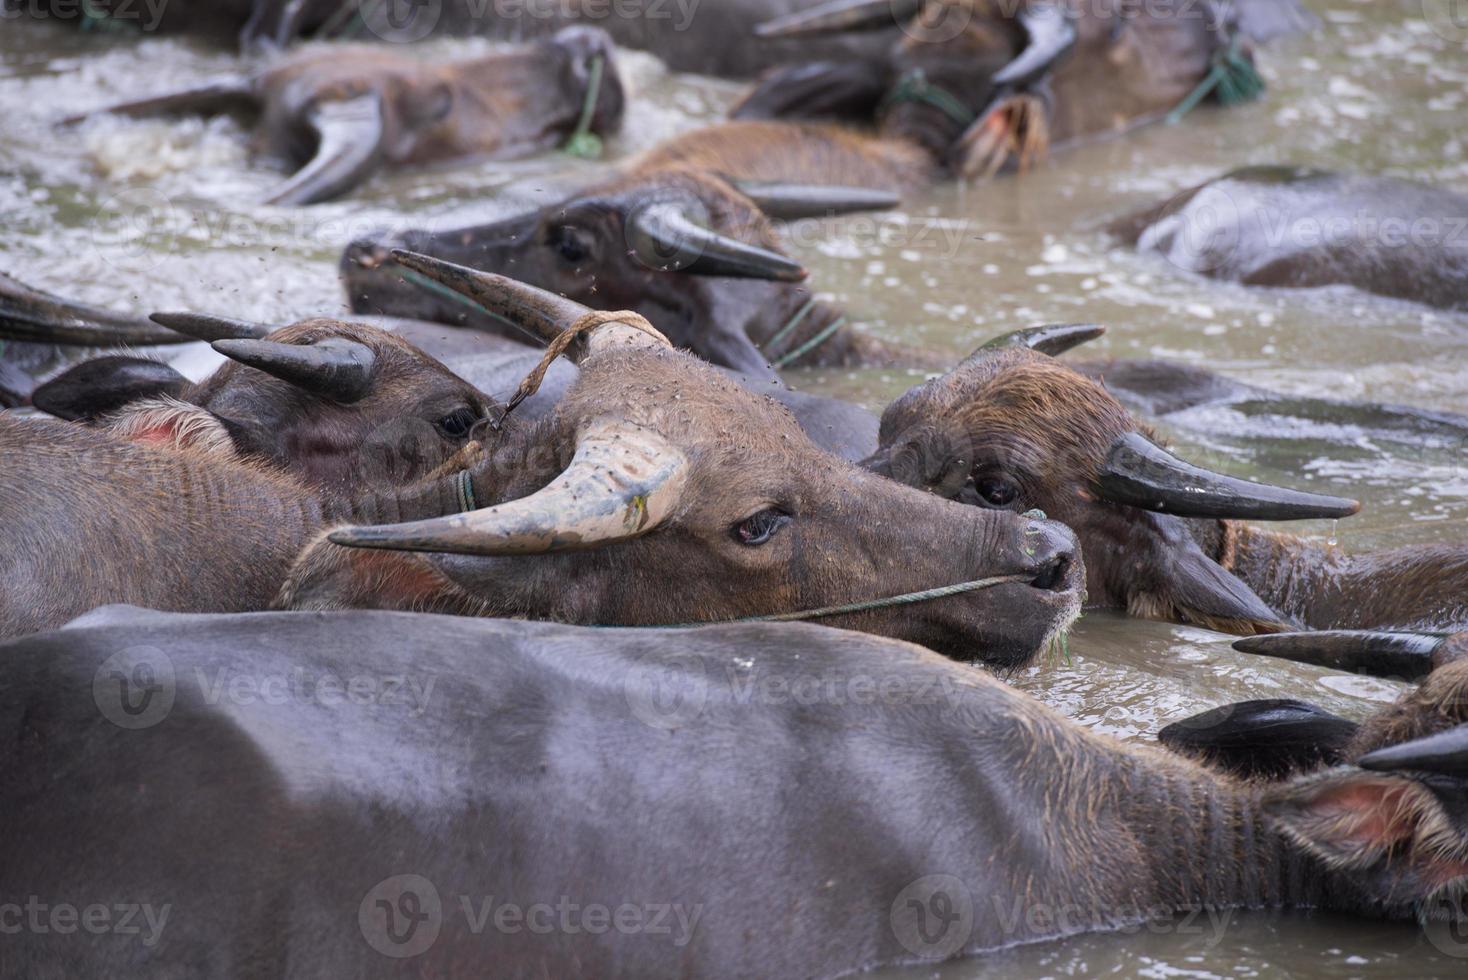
<point>161,434</point>
<point>1368,813</point>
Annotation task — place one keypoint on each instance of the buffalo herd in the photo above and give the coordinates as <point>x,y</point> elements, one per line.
<point>330,663</point>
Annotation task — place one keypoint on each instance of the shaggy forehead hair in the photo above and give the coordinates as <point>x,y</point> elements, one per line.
<point>687,401</point>
<point>1015,394</point>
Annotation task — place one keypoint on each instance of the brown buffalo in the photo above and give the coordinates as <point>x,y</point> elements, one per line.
<point>689,35</point>
<point>651,462</point>
<point>1011,428</point>
<point>340,405</point>
<point>340,114</point>
<point>654,458</point>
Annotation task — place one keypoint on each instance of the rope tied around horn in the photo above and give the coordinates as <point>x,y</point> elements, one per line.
<point>585,324</point>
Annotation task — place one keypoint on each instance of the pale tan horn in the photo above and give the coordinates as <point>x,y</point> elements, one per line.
<point>624,481</point>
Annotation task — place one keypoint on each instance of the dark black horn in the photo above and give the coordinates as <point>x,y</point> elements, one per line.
<point>1051,36</point>
<point>1053,339</point>
<point>1139,473</point>
<point>202,326</point>
<point>36,317</point>
<point>663,237</point>
<point>840,15</point>
<point>1381,654</point>
<point>334,368</point>
<point>1445,752</point>
<point>788,202</point>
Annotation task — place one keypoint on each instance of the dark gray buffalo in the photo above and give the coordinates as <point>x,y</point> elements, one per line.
<point>1300,228</point>
<point>341,114</point>
<point>387,794</point>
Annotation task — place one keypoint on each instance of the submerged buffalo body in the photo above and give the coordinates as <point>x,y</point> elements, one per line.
<point>412,792</point>
<point>340,114</point>
<point>1297,228</point>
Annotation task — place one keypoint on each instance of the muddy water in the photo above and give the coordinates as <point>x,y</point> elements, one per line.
<point>153,215</point>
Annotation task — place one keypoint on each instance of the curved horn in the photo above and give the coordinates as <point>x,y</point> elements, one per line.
<point>665,230</point>
<point>1139,473</point>
<point>1053,339</point>
<point>334,368</point>
<point>1445,752</point>
<point>623,481</point>
<point>1380,654</point>
<point>1051,36</point>
<point>840,15</point>
<point>32,316</point>
<point>543,314</point>
<point>350,136</point>
<point>202,326</point>
<point>787,202</point>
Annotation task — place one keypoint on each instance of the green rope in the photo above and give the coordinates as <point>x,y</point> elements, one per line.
<point>583,142</point>
<point>811,344</point>
<point>95,19</point>
<point>464,487</point>
<point>914,86</point>
<point>790,324</point>
<point>1233,78</point>
<point>422,281</point>
<point>907,598</point>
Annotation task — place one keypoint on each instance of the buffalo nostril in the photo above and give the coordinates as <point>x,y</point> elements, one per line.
<point>1052,577</point>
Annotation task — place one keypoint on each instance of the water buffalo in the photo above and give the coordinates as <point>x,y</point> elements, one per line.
<point>668,236</point>
<point>981,85</point>
<point>1301,228</point>
<point>1013,428</point>
<point>661,456</point>
<point>374,794</point>
<point>339,405</point>
<point>713,38</point>
<point>339,114</point>
<point>690,250</point>
<point>651,461</point>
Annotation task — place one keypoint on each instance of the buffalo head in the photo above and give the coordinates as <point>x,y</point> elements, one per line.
<point>692,252</point>
<point>337,404</point>
<point>660,492</point>
<point>1012,429</point>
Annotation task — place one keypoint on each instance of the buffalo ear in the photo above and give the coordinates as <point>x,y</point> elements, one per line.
<point>101,386</point>
<point>1350,818</point>
<point>1189,586</point>
<point>1266,738</point>
<point>823,90</point>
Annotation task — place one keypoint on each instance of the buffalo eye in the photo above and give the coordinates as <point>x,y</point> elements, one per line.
<point>458,424</point>
<point>570,244</point>
<point>995,491</point>
<point>759,528</point>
